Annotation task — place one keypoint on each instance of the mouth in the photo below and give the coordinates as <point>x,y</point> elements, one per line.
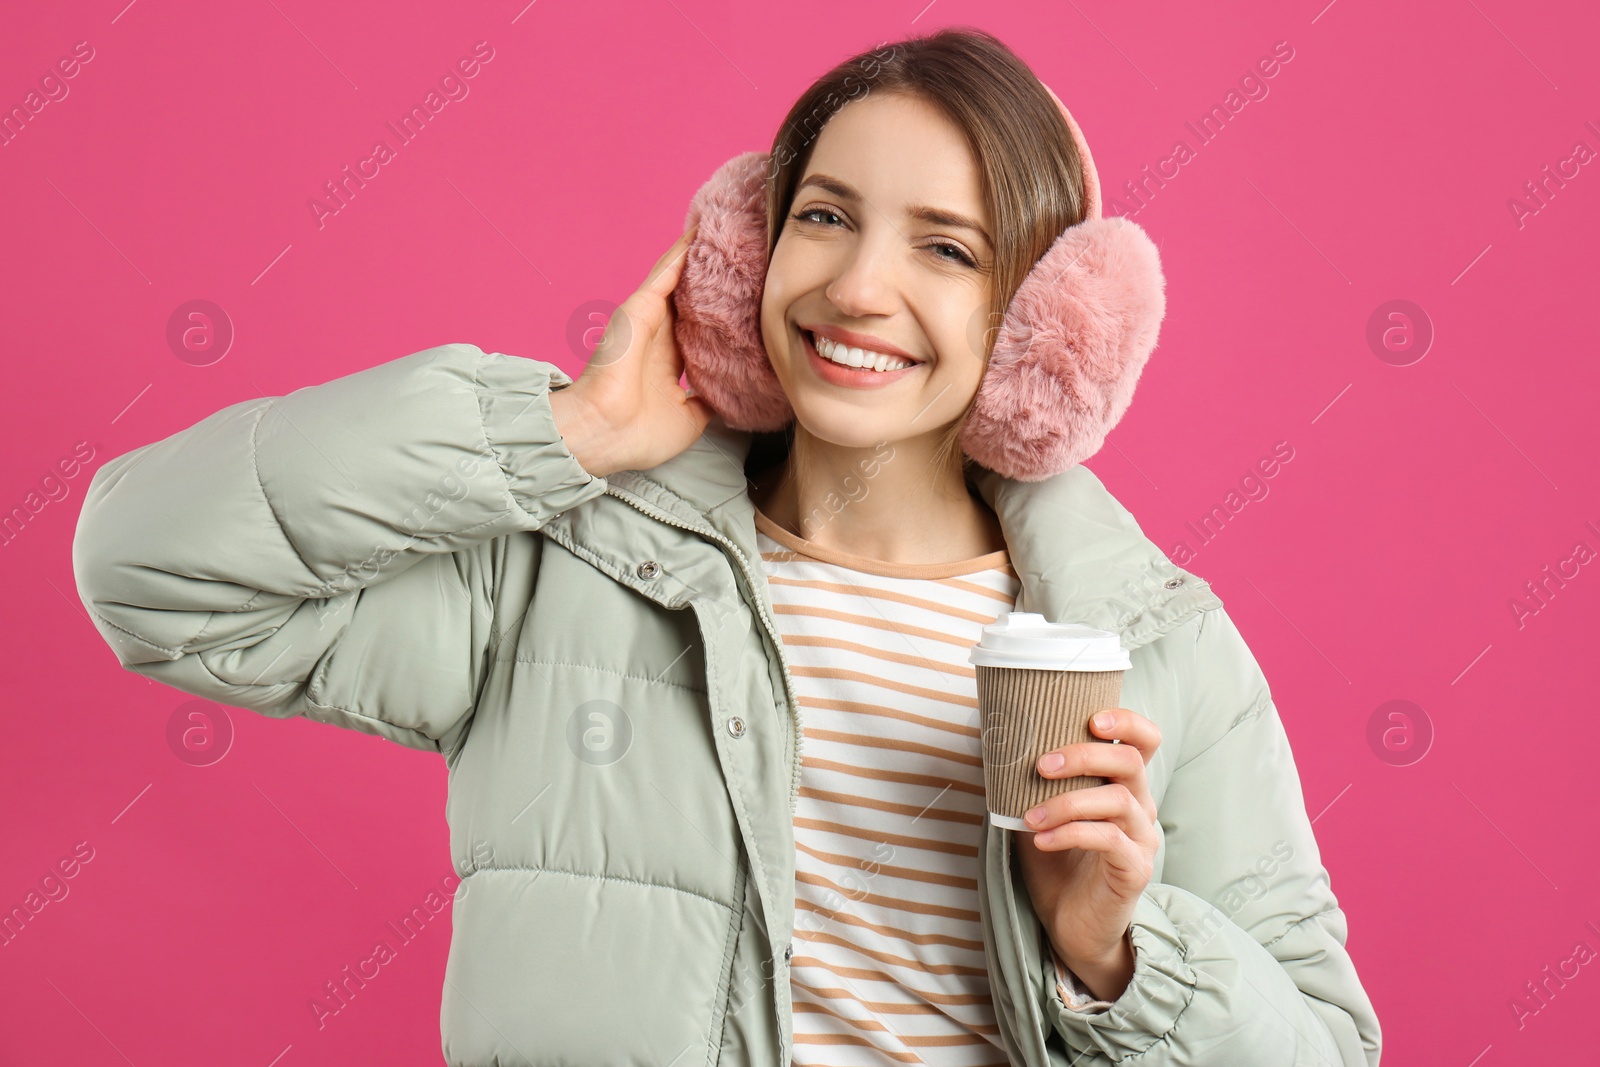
<point>856,368</point>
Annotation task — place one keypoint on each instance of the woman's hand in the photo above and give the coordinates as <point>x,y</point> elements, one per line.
<point>1094,850</point>
<point>626,411</point>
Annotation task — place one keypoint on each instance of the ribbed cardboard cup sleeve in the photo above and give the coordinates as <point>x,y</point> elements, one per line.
<point>1025,713</point>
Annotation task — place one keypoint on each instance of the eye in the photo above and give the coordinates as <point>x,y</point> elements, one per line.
<point>959,254</point>
<point>805,216</point>
<point>959,257</point>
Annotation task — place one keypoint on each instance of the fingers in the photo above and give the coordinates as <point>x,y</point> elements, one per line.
<point>1113,805</point>
<point>1121,853</point>
<point>1131,730</point>
<point>664,275</point>
<point>1123,764</point>
<point>700,411</point>
<point>1128,727</point>
<point>693,408</point>
<point>1093,757</point>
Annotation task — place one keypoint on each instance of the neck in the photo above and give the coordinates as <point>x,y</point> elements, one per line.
<point>888,502</point>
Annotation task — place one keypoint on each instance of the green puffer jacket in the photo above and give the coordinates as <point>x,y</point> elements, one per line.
<point>412,551</point>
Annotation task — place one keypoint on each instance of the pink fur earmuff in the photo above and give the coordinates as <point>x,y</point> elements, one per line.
<point>1066,358</point>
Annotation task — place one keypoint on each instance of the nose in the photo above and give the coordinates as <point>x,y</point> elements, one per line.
<point>865,286</point>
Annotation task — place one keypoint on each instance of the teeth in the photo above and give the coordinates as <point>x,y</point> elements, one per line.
<point>856,357</point>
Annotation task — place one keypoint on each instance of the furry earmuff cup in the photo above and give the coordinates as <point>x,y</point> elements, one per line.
<point>718,299</point>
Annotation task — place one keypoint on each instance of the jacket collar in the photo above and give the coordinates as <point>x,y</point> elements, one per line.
<point>1079,553</point>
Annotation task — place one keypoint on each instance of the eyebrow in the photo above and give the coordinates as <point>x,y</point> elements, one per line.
<point>937,216</point>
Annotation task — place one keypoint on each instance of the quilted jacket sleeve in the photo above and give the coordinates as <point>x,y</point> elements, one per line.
<point>350,525</point>
<point>1069,989</point>
<point>1239,952</point>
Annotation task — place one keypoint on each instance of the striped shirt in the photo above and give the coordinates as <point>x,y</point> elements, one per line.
<point>888,964</point>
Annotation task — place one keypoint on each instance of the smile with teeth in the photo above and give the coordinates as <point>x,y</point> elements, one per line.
<point>861,358</point>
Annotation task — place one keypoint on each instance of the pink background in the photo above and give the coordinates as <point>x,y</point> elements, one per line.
<point>1381,565</point>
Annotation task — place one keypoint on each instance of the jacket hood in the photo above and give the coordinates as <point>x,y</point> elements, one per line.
<point>1079,553</point>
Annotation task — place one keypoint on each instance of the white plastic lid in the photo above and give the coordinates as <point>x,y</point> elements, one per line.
<point>1027,639</point>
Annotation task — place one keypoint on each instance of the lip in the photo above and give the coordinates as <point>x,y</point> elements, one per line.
<point>851,377</point>
<point>860,340</point>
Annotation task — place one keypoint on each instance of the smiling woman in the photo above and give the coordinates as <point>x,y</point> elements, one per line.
<point>938,245</point>
<point>758,732</point>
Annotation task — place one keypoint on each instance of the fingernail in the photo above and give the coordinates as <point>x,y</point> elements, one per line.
<point>1052,762</point>
<point>1105,720</point>
<point>1036,816</point>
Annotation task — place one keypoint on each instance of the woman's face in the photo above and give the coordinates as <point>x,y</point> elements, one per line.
<point>885,248</point>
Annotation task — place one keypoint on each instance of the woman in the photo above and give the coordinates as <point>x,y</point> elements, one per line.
<point>554,584</point>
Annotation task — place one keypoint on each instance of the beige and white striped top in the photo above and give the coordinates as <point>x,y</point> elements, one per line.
<point>888,963</point>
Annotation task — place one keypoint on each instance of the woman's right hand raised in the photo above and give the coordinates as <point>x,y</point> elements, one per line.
<point>626,411</point>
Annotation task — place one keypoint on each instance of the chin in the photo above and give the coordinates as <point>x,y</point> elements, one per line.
<point>844,426</point>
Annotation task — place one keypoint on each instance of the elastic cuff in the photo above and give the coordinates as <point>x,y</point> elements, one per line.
<point>1074,997</point>
<point>1163,985</point>
<point>544,477</point>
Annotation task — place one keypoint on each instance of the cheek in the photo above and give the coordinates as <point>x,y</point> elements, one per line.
<point>959,345</point>
<point>774,330</point>
<point>786,282</point>
<point>977,333</point>
<point>788,271</point>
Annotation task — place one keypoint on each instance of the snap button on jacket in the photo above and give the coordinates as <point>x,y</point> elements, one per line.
<point>412,552</point>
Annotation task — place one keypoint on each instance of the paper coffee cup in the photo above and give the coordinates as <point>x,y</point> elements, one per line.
<point>1039,684</point>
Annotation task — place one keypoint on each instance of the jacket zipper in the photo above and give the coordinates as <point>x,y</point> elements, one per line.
<point>766,621</point>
